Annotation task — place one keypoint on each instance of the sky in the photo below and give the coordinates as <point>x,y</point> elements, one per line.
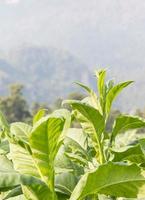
<point>97,31</point>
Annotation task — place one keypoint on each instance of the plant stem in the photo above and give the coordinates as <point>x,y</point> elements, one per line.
<point>109,146</point>
<point>101,153</point>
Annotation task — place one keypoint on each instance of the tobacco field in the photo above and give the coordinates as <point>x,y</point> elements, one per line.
<point>51,159</point>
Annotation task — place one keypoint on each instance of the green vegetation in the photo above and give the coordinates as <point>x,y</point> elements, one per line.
<point>15,106</point>
<point>53,160</point>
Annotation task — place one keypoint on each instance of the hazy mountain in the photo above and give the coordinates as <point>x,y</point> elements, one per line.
<point>48,74</point>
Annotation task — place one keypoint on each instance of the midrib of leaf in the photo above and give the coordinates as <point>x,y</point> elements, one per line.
<point>101,155</point>
<point>39,172</point>
<point>49,183</point>
<point>102,159</point>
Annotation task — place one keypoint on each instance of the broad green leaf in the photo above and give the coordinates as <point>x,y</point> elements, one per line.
<point>13,193</point>
<point>20,154</point>
<point>81,144</point>
<point>61,196</point>
<point>91,121</point>
<point>113,93</point>
<point>68,176</point>
<point>76,146</point>
<point>78,136</point>
<point>4,147</point>
<point>65,183</point>
<point>75,152</point>
<point>39,115</point>
<point>9,178</point>
<point>101,87</point>
<point>23,162</point>
<point>20,131</point>
<point>133,154</point>
<point>62,163</point>
<point>65,164</point>
<point>69,172</point>
<point>63,113</point>
<point>112,179</point>
<point>35,189</point>
<point>101,81</point>
<point>4,126</point>
<point>92,99</point>
<point>124,123</point>
<point>45,140</point>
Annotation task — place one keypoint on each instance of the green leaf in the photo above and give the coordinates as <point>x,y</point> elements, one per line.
<point>113,93</point>
<point>101,87</point>
<point>21,154</point>
<point>62,163</point>
<point>25,164</point>
<point>39,115</point>
<point>65,183</point>
<point>23,161</point>
<point>101,82</point>
<point>133,154</point>
<point>13,193</point>
<point>92,119</point>
<point>9,178</point>
<point>79,136</point>
<point>61,196</point>
<point>113,179</point>
<point>124,123</point>
<point>35,189</point>
<point>20,131</point>
<point>92,99</point>
<point>4,126</point>
<point>89,90</point>
<point>92,123</point>
<point>76,153</point>
<point>142,144</point>
<point>63,113</point>
<point>4,147</point>
<point>45,140</point>
<point>69,172</point>
<point>76,146</point>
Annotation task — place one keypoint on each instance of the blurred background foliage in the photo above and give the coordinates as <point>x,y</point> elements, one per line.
<point>17,108</point>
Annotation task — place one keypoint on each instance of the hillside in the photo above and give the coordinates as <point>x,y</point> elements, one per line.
<point>48,74</point>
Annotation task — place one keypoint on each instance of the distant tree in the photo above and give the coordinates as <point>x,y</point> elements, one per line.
<point>15,105</point>
<point>141,114</point>
<point>57,104</point>
<point>76,96</point>
<point>37,106</point>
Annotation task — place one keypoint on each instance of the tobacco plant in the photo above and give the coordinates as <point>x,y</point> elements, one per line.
<point>52,160</point>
